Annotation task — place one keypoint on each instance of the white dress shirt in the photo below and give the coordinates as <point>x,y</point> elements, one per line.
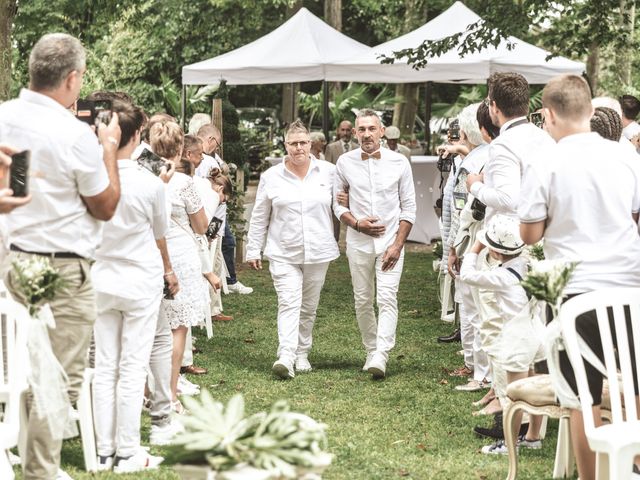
<point>586,192</point>
<point>66,165</point>
<point>510,295</point>
<point>380,188</point>
<point>514,148</point>
<point>209,162</point>
<point>128,262</point>
<point>294,215</point>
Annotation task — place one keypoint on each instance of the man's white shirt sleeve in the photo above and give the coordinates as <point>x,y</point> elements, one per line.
<point>88,165</point>
<point>260,216</point>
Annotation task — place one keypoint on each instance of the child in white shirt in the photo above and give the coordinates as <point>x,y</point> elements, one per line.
<point>520,347</point>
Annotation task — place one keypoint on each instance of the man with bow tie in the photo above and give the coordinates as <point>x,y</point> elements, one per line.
<point>380,214</point>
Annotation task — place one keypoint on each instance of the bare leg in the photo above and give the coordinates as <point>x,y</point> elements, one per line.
<point>585,457</point>
<point>179,338</point>
<point>535,421</point>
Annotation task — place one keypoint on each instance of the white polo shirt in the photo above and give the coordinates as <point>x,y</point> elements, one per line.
<point>128,262</point>
<point>509,154</point>
<point>586,191</point>
<point>293,215</point>
<point>380,188</point>
<point>66,164</point>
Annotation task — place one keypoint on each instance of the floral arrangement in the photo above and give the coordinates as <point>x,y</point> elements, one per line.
<point>536,251</point>
<point>437,250</point>
<point>547,279</point>
<point>282,442</point>
<point>37,280</point>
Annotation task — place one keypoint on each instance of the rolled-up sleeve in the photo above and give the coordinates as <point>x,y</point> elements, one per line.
<point>340,184</point>
<point>407,195</point>
<point>259,224</point>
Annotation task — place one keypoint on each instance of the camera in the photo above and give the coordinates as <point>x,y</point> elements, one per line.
<point>537,119</point>
<point>152,162</point>
<point>478,210</point>
<point>445,162</point>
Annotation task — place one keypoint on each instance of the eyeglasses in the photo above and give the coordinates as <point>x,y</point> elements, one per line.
<point>300,144</point>
<point>214,139</point>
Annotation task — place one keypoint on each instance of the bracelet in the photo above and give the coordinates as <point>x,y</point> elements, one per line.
<point>357,227</point>
<point>168,274</point>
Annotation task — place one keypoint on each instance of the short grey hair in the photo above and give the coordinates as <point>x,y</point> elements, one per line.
<point>367,112</point>
<point>317,137</point>
<point>296,127</point>
<point>197,121</point>
<point>53,58</point>
<point>469,124</point>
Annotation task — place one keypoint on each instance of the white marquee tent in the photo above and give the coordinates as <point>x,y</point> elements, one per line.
<point>525,58</point>
<point>299,50</point>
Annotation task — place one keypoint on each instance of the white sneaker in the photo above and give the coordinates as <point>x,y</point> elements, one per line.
<point>238,287</point>
<point>367,362</point>
<point>283,368</point>
<point>105,462</point>
<point>62,475</point>
<point>377,365</point>
<point>302,364</point>
<point>163,434</point>
<point>185,387</point>
<point>137,463</point>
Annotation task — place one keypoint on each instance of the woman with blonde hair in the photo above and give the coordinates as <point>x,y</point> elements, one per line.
<point>188,219</point>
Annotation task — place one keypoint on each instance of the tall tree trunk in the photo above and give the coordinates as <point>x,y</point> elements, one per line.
<point>333,16</point>
<point>624,55</point>
<point>593,67</point>
<point>290,91</point>
<point>8,9</point>
<point>404,113</point>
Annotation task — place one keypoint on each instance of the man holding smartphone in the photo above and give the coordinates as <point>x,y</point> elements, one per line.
<point>74,186</point>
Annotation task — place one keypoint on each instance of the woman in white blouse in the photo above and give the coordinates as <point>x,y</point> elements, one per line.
<point>292,221</point>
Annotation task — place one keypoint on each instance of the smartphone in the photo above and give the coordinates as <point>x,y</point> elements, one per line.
<point>19,173</point>
<point>85,111</point>
<point>166,292</point>
<point>152,162</point>
<point>537,119</point>
<point>102,110</point>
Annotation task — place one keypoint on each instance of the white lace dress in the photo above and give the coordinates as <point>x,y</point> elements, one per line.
<point>189,306</point>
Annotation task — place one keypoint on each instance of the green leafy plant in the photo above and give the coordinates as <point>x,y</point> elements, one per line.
<point>197,98</point>
<point>37,280</point>
<point>536,251</point>
<point>279,441</point>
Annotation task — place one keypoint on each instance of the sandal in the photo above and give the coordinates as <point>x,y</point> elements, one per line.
<point>461,372</point>
<point>484,401</point>
<point>178,408</point>
<point>489,409</point>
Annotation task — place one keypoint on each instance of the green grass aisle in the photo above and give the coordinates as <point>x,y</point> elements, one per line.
<point>411,425</point>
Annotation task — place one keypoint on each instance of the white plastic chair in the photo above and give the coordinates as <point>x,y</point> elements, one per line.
<point>85,414</point>
<point>13,377</point>
<point>616,443</point>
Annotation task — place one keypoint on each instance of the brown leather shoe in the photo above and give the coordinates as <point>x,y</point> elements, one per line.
<point>221,317</point>
<point>461,372</point>
<point>196,350</point>
<point>193,370</point>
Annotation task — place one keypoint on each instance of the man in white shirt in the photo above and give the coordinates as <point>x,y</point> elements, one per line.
<point>128,277</point>
<point>73,186</point>
<point>630,110</point>
<point>584,200</point>
<point>518,144</point>
<point>382,210</point>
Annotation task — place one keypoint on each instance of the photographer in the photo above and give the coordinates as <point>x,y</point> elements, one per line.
<point>74,184</point>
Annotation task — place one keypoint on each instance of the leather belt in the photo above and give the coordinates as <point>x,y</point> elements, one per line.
<point>15,248</point>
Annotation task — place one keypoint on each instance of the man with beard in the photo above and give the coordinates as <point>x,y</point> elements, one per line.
<point>381,212</point>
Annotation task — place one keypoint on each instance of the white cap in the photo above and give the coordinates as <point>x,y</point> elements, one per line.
<point>502,234</point>
<point>392,133</point>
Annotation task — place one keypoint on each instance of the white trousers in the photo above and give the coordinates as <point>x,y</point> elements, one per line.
<point>124,332</point>
<point>471,333</point>
<point>298,288</point>
<point>368,280</point>
<point>466,311</point>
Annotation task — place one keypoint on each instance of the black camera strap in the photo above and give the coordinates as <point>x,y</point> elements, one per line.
<point>522,121</point>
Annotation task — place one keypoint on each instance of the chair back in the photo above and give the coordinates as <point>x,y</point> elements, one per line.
<point>13,361</point>
<point>621,379</point>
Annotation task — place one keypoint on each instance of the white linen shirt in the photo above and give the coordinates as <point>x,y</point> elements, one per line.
<point>294,215</point>
<point>380,188</point>
<point>510,295</point>
<point>586,192</point>
<point>128,262</point>
<point>66,165</point>
<point>508,156</point>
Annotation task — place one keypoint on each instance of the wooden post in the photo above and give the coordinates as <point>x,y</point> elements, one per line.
<point>216,120</point>
<point>428,94</point>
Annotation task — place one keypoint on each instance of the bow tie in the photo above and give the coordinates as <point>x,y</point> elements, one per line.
<point>366,156</point>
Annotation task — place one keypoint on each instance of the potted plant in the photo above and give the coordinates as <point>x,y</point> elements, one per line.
<point>223,444</point>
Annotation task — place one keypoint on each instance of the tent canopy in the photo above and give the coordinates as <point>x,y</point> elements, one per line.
<point>297,51</point>
<point>525,58</point>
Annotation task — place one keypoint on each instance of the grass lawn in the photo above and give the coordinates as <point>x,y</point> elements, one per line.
<point>411,425</point>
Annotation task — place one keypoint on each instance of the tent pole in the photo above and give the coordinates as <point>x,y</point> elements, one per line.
<point>325,110</point>
<point>428,94</point>
<point>183,106</point>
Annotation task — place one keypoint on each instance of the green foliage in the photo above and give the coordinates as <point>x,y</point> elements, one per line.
<point>437,250</point>
<point>547,280</point>
<point>355,96</point>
